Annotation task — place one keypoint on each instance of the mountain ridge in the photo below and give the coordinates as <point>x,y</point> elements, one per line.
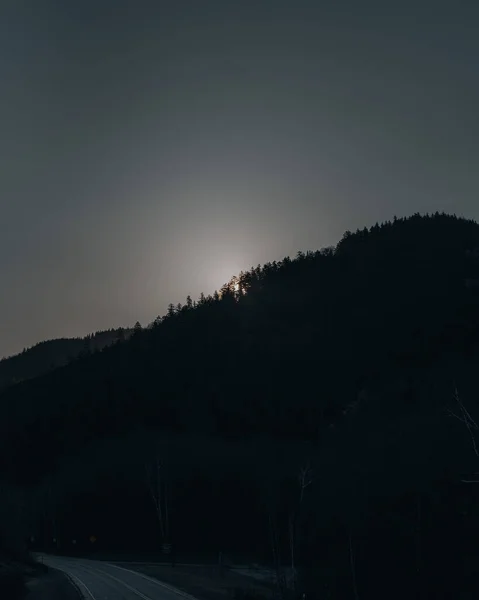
<point>47,355</point>
<point>315,394</point>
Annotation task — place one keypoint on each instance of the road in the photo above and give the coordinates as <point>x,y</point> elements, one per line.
<point>97,580</point>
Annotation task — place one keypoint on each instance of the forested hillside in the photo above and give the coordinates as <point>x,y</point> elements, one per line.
<point>48,355</point>
<point>320,399</point>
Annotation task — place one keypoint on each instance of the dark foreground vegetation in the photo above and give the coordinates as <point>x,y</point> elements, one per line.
<point>317,413</point>
<point>17,566</point>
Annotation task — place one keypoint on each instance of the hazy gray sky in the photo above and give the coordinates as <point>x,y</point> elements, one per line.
<point>151,149</point>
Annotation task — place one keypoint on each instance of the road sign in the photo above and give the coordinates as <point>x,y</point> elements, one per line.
<point>166,548</point>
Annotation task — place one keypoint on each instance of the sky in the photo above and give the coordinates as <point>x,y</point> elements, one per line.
<point>153,149</point>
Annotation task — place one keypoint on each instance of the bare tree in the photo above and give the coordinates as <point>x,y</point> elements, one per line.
<point>353,567</point>
<point>50,518</point>
<point>464,417</point>
<point>158,486</point>
<point>286,577</point>
<point>305,479</point>
<point>292,548</point>
<point>418,544</point>
<point>275,544</point>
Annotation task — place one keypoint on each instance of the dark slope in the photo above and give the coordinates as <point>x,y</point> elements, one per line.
<point>345,359</point>
<point>51,354</point>
<point>284,348</point>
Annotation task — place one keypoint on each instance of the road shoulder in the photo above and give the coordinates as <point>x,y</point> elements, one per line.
<point>53,585</point>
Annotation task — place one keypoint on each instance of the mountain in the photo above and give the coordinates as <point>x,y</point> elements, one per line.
<point>48,355</point>
<point>331,395</point>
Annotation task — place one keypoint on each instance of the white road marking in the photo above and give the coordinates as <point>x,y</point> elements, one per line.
<point>156,582</point>
<point>123,583</point>
<point>78,584</point>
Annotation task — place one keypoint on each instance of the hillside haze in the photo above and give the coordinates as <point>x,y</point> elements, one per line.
<point>51,354</point>
<point>342,363</point>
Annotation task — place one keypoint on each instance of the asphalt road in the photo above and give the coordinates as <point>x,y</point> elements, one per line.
<point>97,580</point>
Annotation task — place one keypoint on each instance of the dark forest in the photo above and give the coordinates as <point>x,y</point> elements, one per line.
<point>317,412</point>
